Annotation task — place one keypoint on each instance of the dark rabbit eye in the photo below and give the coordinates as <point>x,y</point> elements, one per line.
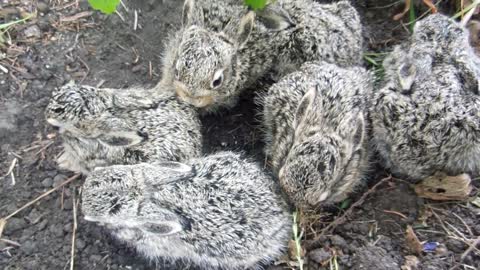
<point>217,79</point>
<point>58,110</point>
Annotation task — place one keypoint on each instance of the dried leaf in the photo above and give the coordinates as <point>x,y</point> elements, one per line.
<point>442,187</point>
<point>412,241</point>
<point>411,263</point>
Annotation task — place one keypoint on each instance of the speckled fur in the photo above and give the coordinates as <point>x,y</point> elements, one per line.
<point>427,116</point>
<point>101,127</point>
<point>315,127</point>
<point>222,36</point>
<point>219,211</point>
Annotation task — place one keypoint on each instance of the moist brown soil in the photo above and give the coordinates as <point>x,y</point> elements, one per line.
<point>69,42</point>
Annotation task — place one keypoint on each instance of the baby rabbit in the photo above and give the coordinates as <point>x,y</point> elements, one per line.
<point>315,127</point>
<point>427,116</point>
<point>222,50</point>
<point>101,127</point>
<point>219,211</point>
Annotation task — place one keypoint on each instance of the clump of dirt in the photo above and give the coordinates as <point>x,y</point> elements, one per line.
<point>68,41</point>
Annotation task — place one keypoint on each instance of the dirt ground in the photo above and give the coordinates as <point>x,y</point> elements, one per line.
<point>66,41</point>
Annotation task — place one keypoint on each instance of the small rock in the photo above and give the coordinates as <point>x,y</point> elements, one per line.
<point>34,216</point>
<point>319,255</point>
<point>59,179</point>
<point>80,244</point>
<point>33,31</point>
<point>14,224</point>
<point>95,258</point>
<point>47,182</point>
<point>455,245</point>
<point>339,242</point>
<point>137,68</point>
<point>42,225</point>
<point>67,205</point>
<point>43,7</point>
<point>68,227</point>
<point>28,247</point>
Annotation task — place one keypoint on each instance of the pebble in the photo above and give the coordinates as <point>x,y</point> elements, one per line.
<point>68,227</point>
<point>47,182</point>
<point>29,247</point>
<point>80,244</point>
<point>43,7</point>
<point>95,258</point>
<point>33,31</point>
<point>455,245</point>
<point>339,242</point>
<point>42,225</point>
<point>34,216</point>
<point>319,255</point>
<point>14,224</point>
<point>59,179</point>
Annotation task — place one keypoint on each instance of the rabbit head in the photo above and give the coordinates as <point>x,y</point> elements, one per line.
<point>73,103</point>
<point>204,65</point>
<point>436,40</point>
<point>217,212</point>
<point>322,165</point>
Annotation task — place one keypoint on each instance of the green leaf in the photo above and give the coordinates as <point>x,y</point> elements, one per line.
<point>345,203</point>
<point>256,4</point>
<point>105,6</point>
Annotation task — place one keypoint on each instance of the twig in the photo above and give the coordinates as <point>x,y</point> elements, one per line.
<point>342,218</point>
<point>10,170</point>
<point>470,248</point>
<point>72,261</point>
<point>470,13</point>
<point>120,15</point>
<point>150,69</point>
<point>396,213</point>
<point>3,221</point>
<point>10,242</point>
<point>77,16</point>
<point>135,21</point>
<point>4,69</point>
<point>124,6</point>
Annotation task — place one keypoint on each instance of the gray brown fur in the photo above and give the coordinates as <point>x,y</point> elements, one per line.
<point>315,127</point>
<point>220,37</point>
<point>427,116</point>
<point>219,211</point>
<point>101,127</point>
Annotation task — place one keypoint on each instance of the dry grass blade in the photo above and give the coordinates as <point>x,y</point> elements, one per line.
<point>72,260</point>
<point>442,187</point>
<point>3,221</point>
<point>77,16</point>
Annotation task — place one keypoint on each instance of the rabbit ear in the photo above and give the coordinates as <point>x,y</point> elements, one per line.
<point>275,18</point>
<point>122,138</point>
<point>406,75</point>
<point>246,28</point>
<point>353,130</point>
<point>306,103</point>
<point>175,166</point>
<point>359,132</point>
<point>191,15</point>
